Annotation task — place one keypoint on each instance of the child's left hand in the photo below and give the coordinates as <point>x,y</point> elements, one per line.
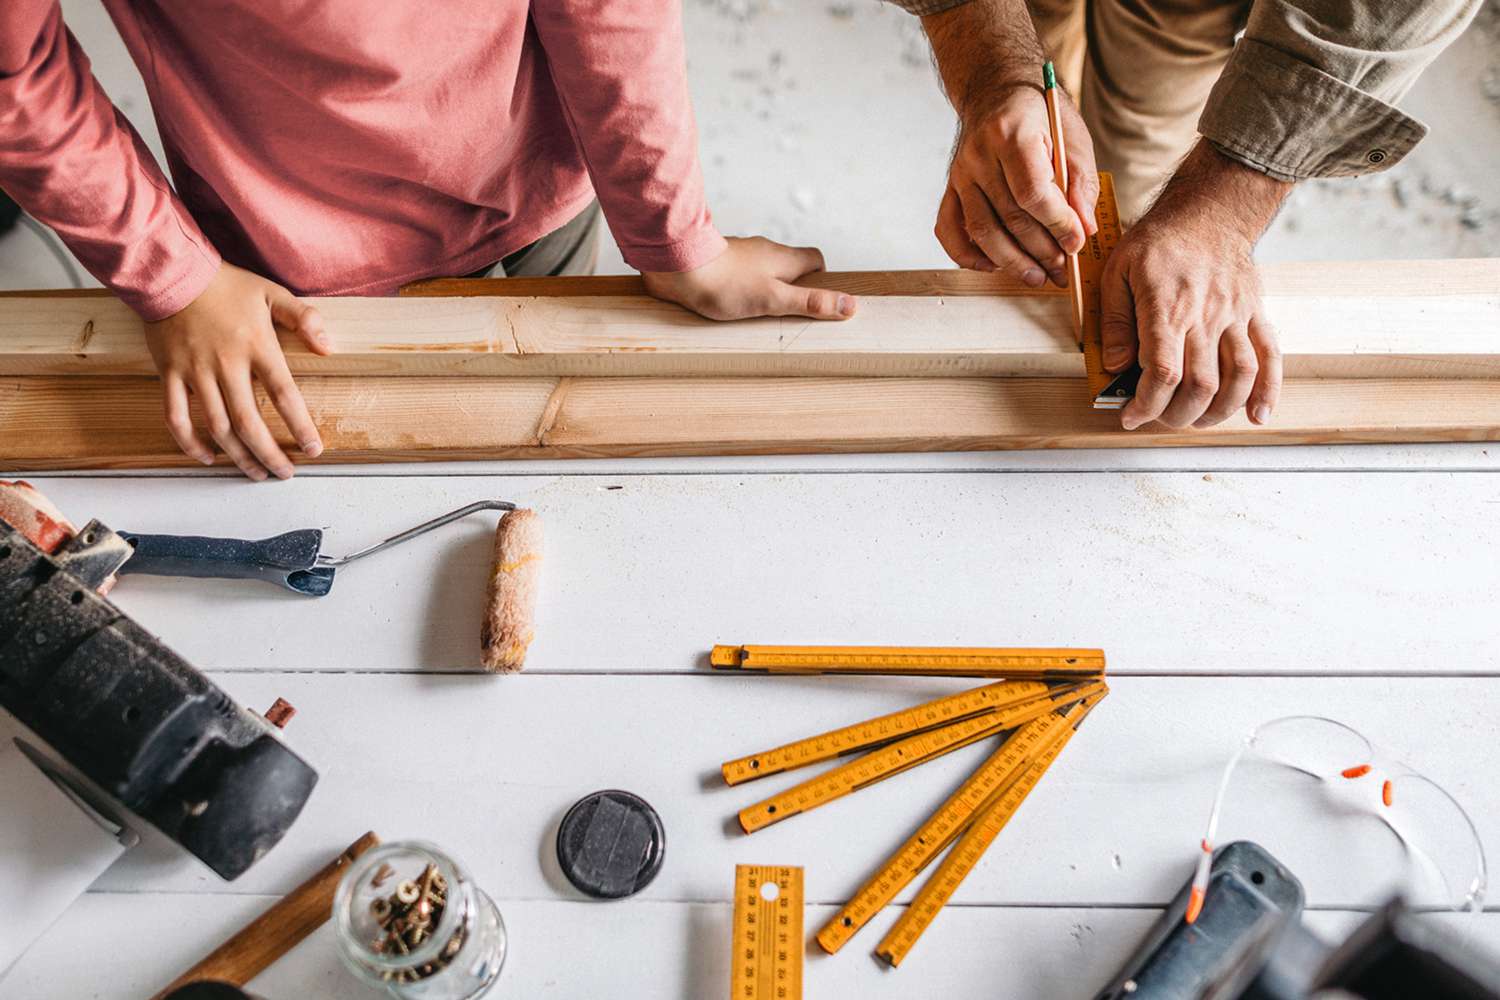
<point>752,278</point>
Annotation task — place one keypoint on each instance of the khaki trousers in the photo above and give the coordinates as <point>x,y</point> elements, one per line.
<point>1141,71</point>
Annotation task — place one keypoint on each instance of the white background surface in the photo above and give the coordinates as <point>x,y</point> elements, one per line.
<point>1208,580</point>
<point>1367,572</point>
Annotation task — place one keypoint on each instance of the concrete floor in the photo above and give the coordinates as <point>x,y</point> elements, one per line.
<point>821,123</point>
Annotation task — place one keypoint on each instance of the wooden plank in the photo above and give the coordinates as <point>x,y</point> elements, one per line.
<point>1169,572</point>
<point>1114,823</point>
<point>101,422</point>
<point>659,950</point>
<point>1340,320</point>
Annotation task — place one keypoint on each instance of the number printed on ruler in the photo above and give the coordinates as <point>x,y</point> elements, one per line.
<point>767,933</point>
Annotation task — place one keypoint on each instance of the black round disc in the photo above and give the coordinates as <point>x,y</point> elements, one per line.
<point>610,844</point>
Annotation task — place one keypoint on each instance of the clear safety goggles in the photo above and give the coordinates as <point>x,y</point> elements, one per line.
<point>1445,863</point>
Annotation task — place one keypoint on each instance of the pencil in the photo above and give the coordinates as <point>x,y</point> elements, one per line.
<point>1060,173</point>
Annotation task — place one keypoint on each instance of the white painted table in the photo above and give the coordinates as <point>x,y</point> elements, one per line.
<point>1227,587</point>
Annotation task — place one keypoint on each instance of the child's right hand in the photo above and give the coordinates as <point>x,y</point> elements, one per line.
<point>214,348</point>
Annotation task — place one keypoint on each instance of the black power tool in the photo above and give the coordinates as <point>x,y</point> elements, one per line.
<point>129,716</point>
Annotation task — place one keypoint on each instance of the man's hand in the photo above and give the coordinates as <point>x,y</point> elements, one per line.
<point>752,278</point>
<point>1002,209</point>
<point>214,348</point>
<point>1182,292</point>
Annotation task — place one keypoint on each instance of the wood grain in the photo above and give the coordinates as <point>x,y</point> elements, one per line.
<point>276,931</point>
<point>1429,319</point>
<point>99,422</point>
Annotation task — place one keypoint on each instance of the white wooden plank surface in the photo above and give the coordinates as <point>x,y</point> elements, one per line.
<point>1115,822</point>
<point>1252,569</point>
<point>662,950</point>
<point>1326,572</point>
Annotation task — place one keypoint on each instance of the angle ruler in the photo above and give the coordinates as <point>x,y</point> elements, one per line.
<point>929,661</point>
<point>1109,392</point>
<point>767,933</point>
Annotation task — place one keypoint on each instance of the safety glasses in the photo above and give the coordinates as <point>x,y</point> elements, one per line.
<point>1441,844</point>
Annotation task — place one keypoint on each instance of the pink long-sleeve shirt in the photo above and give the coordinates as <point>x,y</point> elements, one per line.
<point>350,146</point>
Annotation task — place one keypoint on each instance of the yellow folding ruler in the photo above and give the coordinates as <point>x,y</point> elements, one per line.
<point>933,661</point>
<point>1035,719</point>
<point>902,755</point>
<point>767,933</point>
<point>974,840</point>
<point>1036,743</point>
<point>1109,392</point>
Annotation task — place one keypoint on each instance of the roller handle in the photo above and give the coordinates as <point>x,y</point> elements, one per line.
<point>288,560</point>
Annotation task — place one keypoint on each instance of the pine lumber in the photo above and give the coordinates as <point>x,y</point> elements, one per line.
<point>114,422</point>
<point>1350,320</point>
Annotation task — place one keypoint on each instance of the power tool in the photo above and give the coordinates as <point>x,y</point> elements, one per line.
<point>123,714</point>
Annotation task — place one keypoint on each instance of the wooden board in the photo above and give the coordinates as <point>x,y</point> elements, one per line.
<point>1434,319</point>
<point>100,422</point>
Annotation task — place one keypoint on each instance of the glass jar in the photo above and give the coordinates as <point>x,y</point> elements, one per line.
<point>410,920</point>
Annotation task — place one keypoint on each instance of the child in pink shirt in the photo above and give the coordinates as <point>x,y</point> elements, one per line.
<point>343,147</point>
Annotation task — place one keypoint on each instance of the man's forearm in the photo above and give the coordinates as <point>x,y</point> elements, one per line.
<point>1239,199</point>
<point>983,49</point>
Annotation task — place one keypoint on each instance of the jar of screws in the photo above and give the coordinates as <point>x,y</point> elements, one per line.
<point>410,920</point>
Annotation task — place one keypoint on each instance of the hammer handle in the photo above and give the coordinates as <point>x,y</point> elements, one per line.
<point>276,931</point>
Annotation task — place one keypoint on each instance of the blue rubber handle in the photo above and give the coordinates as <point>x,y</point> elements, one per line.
<point>288,560</point>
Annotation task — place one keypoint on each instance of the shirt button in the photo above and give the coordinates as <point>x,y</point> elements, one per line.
<point>1375,156</point>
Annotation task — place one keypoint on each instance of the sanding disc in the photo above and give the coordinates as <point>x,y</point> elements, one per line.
<point>610,844</point>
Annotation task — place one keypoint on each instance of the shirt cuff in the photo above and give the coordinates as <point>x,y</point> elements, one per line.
<point>688,254</point>
<point>924,7</point>
<point>176,281</point>
<point>1292,121</point>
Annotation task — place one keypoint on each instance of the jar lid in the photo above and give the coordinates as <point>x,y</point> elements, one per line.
<point>610,844</point>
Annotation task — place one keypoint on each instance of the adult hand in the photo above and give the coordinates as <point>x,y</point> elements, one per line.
<point>1181,292</point>
<point>215,349</point>
<point>1002,209</point>
<point>753,277</point>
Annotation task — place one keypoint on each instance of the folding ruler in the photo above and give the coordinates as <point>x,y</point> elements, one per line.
<point>767,934</point>
<point>1034,718</point>
<point>933,661</point>
<point>1109,392</point>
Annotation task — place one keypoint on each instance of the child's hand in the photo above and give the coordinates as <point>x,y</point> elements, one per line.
<point>752,278</point>
<point>213,348</point>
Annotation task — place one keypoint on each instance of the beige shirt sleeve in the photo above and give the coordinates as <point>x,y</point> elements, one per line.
<point>1310,88</point>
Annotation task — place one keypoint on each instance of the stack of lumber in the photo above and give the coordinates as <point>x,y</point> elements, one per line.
<point>593,367</point>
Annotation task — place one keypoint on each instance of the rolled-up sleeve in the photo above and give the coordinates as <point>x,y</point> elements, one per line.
<point>925,7</point>
<point>1310,88</point>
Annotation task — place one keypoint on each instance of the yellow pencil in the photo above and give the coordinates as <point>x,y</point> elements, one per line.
<point>1060,172</point>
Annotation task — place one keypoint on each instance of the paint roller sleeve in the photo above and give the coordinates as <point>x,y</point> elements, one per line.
<point>508,628</point>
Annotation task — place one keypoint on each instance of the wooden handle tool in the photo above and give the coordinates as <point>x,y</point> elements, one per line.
<point>276,931</point>
<point>508,628</point>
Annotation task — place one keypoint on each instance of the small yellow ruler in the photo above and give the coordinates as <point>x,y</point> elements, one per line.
<point>935,661</point>
<point>894,758</point>
<point>767,933</point>
<point>1109,392</point>
<point>971,845</point>
<point>993,778</point>
<point>1001,697</point>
